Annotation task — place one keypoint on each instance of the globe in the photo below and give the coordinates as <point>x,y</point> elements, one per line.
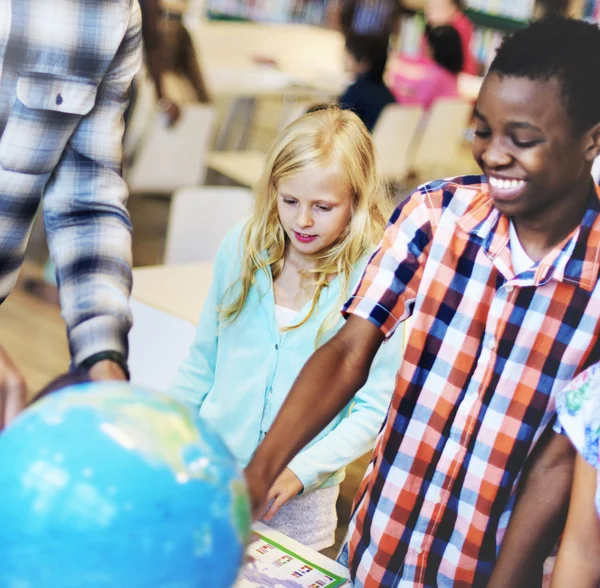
<point>106,485</point>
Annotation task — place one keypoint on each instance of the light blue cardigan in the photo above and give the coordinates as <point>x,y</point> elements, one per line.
<point>239,374</point>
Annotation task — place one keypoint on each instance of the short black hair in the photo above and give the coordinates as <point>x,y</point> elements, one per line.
<point>370,48</point>
<point>564,49</point>
<point>446,47</point>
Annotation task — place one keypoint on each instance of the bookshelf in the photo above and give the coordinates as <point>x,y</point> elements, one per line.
<point>492,18</point>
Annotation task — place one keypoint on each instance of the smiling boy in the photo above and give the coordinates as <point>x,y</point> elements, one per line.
<point>500,275</point>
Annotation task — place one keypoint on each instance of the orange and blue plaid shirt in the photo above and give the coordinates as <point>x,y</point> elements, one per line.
<point>487,353</point>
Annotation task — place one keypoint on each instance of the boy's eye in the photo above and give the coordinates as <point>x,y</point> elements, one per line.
<point>526,144</point>
<point>482,133</point>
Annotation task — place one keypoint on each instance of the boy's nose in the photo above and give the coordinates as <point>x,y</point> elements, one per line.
<point>494,156</point>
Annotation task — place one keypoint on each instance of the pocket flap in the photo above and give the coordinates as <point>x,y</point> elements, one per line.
<point>49,92</point>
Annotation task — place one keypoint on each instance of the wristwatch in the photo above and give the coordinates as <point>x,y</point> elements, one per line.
<point>115,356</point>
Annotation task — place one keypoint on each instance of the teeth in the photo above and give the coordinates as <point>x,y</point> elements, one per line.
<point>506,184</point>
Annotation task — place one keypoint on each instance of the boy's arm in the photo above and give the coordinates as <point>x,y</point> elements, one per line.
<point>539,514</point>
<point>578,564</point>
<point>328,381</point>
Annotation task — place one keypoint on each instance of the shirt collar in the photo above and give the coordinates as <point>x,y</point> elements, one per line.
<point>484,221</point>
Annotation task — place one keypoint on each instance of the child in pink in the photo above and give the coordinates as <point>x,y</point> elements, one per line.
<point>422,80</point>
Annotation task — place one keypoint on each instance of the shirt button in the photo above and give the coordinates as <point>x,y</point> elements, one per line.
<point>492,344</point>
<point>419,551</point>
<point>276,346</point>
<point>509,289</point>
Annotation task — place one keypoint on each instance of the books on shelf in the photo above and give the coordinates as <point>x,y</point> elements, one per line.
<point>303,11</point>
<point>513,9</point>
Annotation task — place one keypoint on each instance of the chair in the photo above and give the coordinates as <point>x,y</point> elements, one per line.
<point>442,139</point>
<point>198,220</point>
<point>394,137</point>
<point>170,158</point>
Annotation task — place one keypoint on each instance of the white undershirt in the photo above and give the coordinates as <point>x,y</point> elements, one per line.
<point>284,316</point>
<point>520,260</point>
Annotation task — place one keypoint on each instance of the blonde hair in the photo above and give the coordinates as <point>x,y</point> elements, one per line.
<point>326,137</point>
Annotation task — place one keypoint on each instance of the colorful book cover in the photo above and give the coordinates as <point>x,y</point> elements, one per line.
<point>271,565</point>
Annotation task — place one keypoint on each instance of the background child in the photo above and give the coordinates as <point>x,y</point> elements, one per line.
<point>279,281</point>
<point>422,80</point>
<point>365,58</point>
<point>451,13</point>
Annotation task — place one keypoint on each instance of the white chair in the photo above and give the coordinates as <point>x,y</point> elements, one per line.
<point>394,136</point>
<point>158,343</point>
<point>199,219</point>
<point>441,141</point>
<point>170,158</point>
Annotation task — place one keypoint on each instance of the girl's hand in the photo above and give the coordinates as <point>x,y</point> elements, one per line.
<point>285,487</point>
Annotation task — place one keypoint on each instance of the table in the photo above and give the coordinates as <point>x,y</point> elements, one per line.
<point>179,290</point>
<point>165,304</point>
<point>244,167</point>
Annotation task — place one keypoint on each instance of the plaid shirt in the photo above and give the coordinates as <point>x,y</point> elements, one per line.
<point>486,355</point>
<point>66,67</point>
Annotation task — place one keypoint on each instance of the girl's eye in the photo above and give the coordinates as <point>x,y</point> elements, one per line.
<point>324,208</point>
<point>482,134</point>
<point>289,201</point>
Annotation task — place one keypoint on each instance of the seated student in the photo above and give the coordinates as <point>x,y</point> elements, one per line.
<point>451,13</point>
<point>319,211</point>
<point>422,80</point>
<point>500,275</point>
<point>365,57</point>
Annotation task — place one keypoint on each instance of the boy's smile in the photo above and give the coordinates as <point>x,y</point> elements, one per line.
<point>525,144</point>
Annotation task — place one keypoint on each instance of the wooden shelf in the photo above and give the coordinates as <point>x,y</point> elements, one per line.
<point>494,21</point>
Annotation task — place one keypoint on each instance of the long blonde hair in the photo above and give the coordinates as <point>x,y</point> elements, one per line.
<point>329,136</point>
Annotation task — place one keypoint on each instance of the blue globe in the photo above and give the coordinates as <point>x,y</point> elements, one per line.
<point>105,485</point>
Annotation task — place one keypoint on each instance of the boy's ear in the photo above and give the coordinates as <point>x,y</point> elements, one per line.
<point>592,146</point>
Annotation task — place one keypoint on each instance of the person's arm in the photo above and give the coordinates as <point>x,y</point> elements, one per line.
<point>578,561</point>
<point>88,227</point>
<point>340,367</point>
<point>351,438</point>
<point>539,514</point>
<point>152,45</point>
<point>13,392</point>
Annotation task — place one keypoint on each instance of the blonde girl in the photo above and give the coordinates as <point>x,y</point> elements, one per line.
<point>280,279</point>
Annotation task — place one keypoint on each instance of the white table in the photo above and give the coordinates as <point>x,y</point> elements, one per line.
<point>166,303</point>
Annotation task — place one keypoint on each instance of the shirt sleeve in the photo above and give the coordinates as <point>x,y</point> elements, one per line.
<point>88,227</point>
<point>196,375</point>
<point>355,434</point>
<point>578,408</point>
<point>387,290</point>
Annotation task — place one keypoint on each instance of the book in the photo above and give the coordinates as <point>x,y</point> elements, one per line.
<point>273,565</point>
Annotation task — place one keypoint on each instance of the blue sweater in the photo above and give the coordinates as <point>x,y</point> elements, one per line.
<point>239,374</point>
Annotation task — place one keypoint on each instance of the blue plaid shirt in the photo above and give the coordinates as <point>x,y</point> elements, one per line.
<point>65,71</point>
